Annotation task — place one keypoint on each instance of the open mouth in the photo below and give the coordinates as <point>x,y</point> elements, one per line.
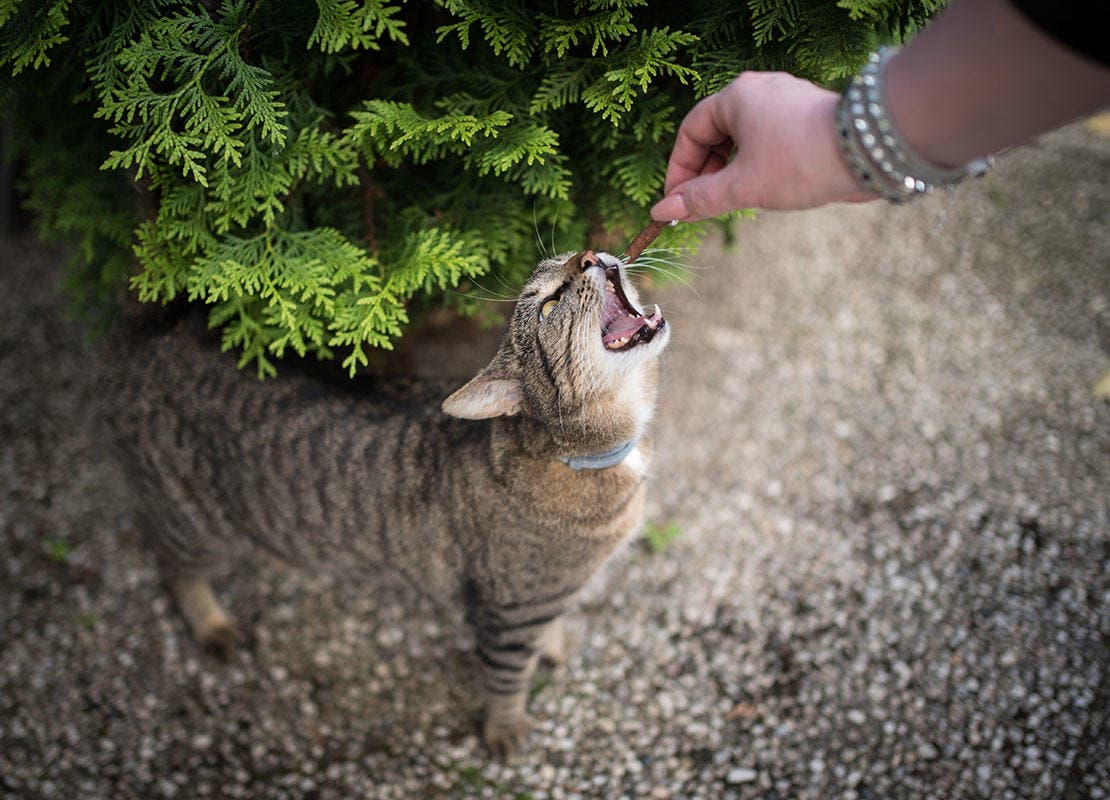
<point>622,325</point>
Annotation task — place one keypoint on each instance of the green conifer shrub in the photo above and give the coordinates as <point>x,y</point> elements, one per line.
<point>315,170</point>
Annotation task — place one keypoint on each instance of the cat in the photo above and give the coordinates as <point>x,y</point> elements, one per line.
<point>508,495</point>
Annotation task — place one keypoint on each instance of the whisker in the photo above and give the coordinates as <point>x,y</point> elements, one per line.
<point>554,221</point>
<point>674,265</point>
<point>660,266</point>
<point>513,292</point>
<point>482,298</point>
<point>671,250</point>
<point>677,254</point>
<point>675,275</point>
<point>536,228</point>
<point>493,296</point>
<point>671,261</point>
<point>668,267</point>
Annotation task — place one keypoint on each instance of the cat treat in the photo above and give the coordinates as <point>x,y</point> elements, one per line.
<point>644,238</point>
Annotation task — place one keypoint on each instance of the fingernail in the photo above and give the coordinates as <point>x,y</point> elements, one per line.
<point>670,208</point>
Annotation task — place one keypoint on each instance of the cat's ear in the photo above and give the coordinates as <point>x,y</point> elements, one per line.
<point>496,391</point>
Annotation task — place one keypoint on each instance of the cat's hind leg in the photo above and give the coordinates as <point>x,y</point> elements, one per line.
<point>553,646</point>
<point>187,553</point>
<point>210,625</point>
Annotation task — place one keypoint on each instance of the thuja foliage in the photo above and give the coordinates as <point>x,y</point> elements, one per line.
<point>317,171</point>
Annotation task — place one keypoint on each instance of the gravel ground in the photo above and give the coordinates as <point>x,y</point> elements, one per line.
<point>887,474</point>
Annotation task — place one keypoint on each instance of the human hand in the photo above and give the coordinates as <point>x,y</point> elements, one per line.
<point>783,132</point>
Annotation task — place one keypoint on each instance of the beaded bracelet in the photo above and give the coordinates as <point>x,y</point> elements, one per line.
<point>876,151</point>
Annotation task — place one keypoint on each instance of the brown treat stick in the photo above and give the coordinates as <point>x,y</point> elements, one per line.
<point>643,239</point>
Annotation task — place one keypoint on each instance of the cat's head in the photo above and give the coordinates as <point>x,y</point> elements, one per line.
<point>579,356</point>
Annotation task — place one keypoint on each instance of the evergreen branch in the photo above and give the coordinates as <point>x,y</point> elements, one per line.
<point>397,130</point>
<point>118,27</point>
<point>613,95</point>
<point>432,259</point>
<point>640,174</point>
<point>344,24</point>
<point>28,31</point>
<point>294,278</point>
<point>322,156</point>
<point>560,87</point>
<point>506,31</point>
<point>527,143</point>
<point>243,329</point>
<point>552,179</point>
<point>558,35</point>
<point>165,267</point>
<point>772,19</point>
<point>8,8</point>
<point>192,123</point>
<point>716,69</point>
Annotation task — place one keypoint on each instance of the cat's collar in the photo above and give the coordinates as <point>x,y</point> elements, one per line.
<point>610,458</point>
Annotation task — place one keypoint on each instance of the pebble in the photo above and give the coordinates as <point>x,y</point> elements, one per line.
<point>738,775</point>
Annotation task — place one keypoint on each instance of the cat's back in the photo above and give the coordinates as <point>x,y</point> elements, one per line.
<point>308,463</point>
<point>175,374</point>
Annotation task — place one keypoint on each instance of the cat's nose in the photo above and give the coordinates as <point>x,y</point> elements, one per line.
<point>589,259</point>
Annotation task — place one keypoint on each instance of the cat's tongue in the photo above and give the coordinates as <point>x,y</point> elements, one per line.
<point>616,322</point>
<point>622,324</point>
<point>619,319</point>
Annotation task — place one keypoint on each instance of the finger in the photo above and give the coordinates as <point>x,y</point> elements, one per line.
<point>699,134</point>
<point>715,163</point>
<point>705,196</point>
<point>669,209</point>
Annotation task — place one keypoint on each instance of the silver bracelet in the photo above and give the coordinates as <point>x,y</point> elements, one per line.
<point>875,150</point>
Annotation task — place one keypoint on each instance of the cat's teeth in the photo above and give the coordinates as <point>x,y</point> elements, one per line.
<point>617,343</point>
<point>610,288</point>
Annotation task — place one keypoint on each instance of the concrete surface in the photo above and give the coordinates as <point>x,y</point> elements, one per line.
<point>891,579</point>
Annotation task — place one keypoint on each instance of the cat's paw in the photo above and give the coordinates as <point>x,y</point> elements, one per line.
<point>210,625</point>
<point>503,737</point>
<point>218,636</point>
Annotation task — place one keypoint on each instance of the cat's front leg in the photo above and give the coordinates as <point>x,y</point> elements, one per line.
<point>506,724</point>
<point>510,642</point>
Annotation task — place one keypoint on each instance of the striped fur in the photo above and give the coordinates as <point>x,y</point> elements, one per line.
<point>377,475</point>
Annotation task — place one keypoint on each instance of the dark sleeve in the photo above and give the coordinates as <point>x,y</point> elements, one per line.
<point>1071,23</point>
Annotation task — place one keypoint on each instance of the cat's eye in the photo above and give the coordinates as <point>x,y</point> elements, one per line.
<point>548,307</point>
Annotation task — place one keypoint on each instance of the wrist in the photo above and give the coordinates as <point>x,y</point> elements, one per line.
<point>836,180</point>
<point>876,150</point>
<point>982,78</point>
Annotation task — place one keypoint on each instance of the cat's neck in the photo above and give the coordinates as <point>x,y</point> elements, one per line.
<point>573,439</point>
<point>606,426</point>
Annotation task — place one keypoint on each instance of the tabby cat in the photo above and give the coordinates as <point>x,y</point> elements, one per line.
<point>508,495</point>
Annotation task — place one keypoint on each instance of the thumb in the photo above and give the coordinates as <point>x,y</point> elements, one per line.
<point>701,198</point>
